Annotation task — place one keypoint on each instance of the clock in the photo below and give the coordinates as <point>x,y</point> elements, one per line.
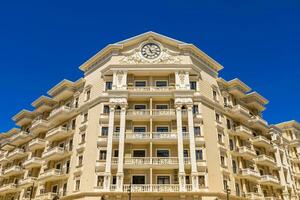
<point>150,50</point>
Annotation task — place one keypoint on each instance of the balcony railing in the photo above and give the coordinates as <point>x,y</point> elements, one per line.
<point>151,89</point>
<point>60,109</point>
<point>164,135</point>
<point>137,161</point>
<point>163,112</point>
<point>137,135</point>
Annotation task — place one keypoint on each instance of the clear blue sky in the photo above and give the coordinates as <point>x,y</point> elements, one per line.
<point>43,42</point>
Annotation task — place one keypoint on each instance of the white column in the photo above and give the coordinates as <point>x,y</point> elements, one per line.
<point>120,172</point>
<point>181,173</point>
<point>107,173</point>
<point>194,171</point>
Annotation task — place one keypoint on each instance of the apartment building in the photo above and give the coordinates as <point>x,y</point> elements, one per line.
<point>150,120</point>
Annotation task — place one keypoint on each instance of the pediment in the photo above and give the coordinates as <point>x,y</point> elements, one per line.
<point>129,52</point>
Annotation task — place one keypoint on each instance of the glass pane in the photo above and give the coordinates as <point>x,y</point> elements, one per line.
<point>139,129</point>
<point>162,153</point>
<point>140,83</point>
<point>139,153</point>
<point>137,107</point>
<point>163,180</point>
<point>161,106</point>
<point>162,129</point>
<point>161,83</point>
<point>138,180</point>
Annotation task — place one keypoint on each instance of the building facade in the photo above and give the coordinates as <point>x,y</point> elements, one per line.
<point>150,120</point>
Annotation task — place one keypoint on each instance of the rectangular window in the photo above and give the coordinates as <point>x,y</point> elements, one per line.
<point>114,180</point>
<point>228,124</point>
<point>140,107</point>
<point>77,185</point>
<point>218,118</point>
<point>225,184</point>
<point>73,124</point>
<point>215,95</point>
<point>116,153</point>
<point>197,131</point>
<point>80,159</point>
<point>220,137</point>
<point>88,95</point>
<point>106,109</point>
<point>162,153</point>
<point>104,131</point>
<point>162,129</point>
<point>222,160</point>
<point>100,181</point>
<point>139,129</point>
<point>102,155</point>
<point>108,85</point>
<point>140,83</point>
<point>195,109</point>
<point>201,180</point>
<point>82,138</point>
<point>161,106</point>
<point>199,154</point>
<point>184,129</point>
<point>193,85</point>
<point>85,117</point>
<point>139,153</point>
<point>163,180</point>
<point>138,179</point>
<point>117,129</point>
<point>161,83</point>
<point>76,102</point>
<point>185,153</point>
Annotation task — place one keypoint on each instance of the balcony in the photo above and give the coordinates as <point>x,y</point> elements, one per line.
<point>245,152</point>
<point>36,144</point>
<point>61,114</point>
<point>162,114</point>
<point>269,180</point>
<point>257,122</point>
<point>20,138</point>
<point>16,154</point>
<point>3,158</point>
<point>238,112</point>
<point>53,175</point>
<point>137,137</point>
<point>33,162</point>
<point>152,188</point>
<point>56,153</point>
<point>265,160</point>
<point>58,133</point>
<point>29,181</point>
<point>141,162</point>
<point>138,114</point>
<point>47,196</point>
<point>13,171</point>
<point>252,195</point>
<point>151,91</point>
<point>261,141</point>
<point>100,164</point>
<point>243,132</point>
<point>9,188</point>
<point>39,126</point>
<point>248,174</point>
<point>164,137</point>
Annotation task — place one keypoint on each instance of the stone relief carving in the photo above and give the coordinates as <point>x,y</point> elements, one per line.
<point>120,75</point>
<point>183,101</point>
<point>167,57</point>
<point>118,101</point>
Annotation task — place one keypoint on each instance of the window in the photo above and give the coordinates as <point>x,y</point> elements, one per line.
<point>195,109</point>
<point>197,131</point>
<point>218,118</point>
<point>116,153</point>
<point>187,179</point>
<point>237,189</point>
<point>104,131</point>
<point>185,153</point>
<point>80,159</point>
<point>201,180</point>
<point>140,107</point>
<point>68,167</point>
<point>161,83</point>
<point>199,154</point>
<point>140,83</point>
<point>139,129</point>
<point>106,109</point>
<point>139,153</point>
<point>215,95</point>
<point>87,95</point>
<point>193,85</point>
<point>162,153</point>
<point>161,106</point>
<point>76,102</point>
<point>108,85</point>
<point>184,129</point>
<point>138,179</point>
<point>220,138</point>
<point>114,180</point>
<point>55,189</point>
<point>225,101</point>
<point>162,129</point>
<point>64,189</point>
<point>231,144</point>
<point>77,184</point>
<point>73,124</point>
<point>225,184</point>
<point>82,138</point>
<point>117,129</point>
<point>100,181</point>
<point>163,179</point>
<point>102,155</point>
<point>222,161</point>
<point>228,124</point>
<point>85,117</point>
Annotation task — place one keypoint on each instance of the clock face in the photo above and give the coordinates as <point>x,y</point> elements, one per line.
<point>150,50</point>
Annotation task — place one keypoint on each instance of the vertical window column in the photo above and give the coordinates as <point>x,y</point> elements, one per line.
<point>181,172</point>
<point>194,171</point>
<point>120,172</point>
<point>107,173</point>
